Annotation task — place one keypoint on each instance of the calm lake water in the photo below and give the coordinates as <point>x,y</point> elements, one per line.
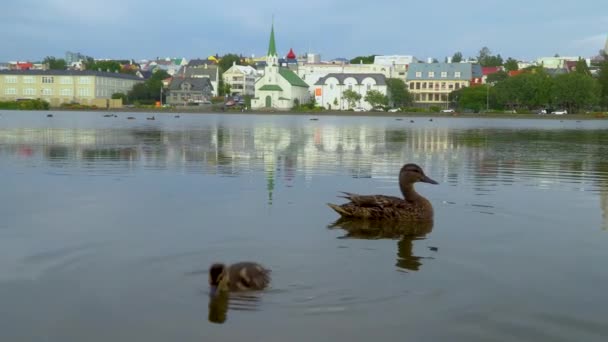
<point>108,227</point>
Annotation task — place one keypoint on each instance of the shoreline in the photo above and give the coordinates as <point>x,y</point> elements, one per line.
<point>207,111</point>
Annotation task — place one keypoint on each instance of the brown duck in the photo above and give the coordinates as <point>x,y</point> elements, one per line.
<point>242,276</point>
<point>412,206</point>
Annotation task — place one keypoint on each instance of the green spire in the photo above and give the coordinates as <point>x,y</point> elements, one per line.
<point>272,49</point>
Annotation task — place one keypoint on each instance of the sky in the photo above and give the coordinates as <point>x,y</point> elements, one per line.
<point>138,29</point>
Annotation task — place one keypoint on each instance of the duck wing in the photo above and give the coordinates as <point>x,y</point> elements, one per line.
<point>373,200</point>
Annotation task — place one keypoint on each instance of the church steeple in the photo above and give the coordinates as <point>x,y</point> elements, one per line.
<point>272,48</point>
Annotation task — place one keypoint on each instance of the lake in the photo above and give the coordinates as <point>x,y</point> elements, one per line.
<point>109,225</point>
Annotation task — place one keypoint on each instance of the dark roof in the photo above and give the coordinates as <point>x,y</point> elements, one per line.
<point>69,73</point>
<point>145,74</point>
<point>379,78</point>
<point>198,83</point>
<point>199,62</point>
<point>210,71</point>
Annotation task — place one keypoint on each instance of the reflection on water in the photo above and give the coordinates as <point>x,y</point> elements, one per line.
<point>406,231</point>
<point>101,217</point>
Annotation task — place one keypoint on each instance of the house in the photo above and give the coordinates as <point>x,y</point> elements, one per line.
<point>65,86</point>
<point>241,79</point>
<point>431,83</point>
<point>279,88</point>
<point>170,65</point>
<point>329,90</point>
<point>185,90</point>
<point>210,71</point>
<point>313,72</point>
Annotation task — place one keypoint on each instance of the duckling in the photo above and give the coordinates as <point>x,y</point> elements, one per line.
<point>380,207</point>
<point>49,115</point>
<point>130,118</point>
<point>150,118</point>
<point>411,121</point>
<point>242,276</point>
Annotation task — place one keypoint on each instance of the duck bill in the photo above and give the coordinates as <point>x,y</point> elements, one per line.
<point>428,180</point>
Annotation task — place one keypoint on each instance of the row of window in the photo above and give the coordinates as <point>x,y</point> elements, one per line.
<point>47,80</point>
<point>444,74</point>
<point>48,92</point>
<point>430,97</point>
<point>436,85</point>
<point>350,86</point>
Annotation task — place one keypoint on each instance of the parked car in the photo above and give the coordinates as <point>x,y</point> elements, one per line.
<point>560,112</point>
<point>541,111</point>
<point>394,110</point>
<point>448,110</point>
<point>359,109</point>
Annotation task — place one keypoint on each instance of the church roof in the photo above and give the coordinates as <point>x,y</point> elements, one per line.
<point>292,78</point>
<point>272,48</point>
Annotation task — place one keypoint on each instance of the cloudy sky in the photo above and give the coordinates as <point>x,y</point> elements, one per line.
<point>524,29</point>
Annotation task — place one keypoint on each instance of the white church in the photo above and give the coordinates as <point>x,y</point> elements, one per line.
<point>279,88</point>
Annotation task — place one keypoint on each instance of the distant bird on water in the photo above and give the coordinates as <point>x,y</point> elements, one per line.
<point>150,118</point>
<point>49,115</point>
<point>412,207</point>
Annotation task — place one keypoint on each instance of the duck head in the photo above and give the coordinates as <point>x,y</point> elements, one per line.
<point>217,274</point>
<point>412,173</point>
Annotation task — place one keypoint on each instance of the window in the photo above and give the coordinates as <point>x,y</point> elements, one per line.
<point>29,79</point>
<point>66,80</point>
<point>350,87</point>
<point>84,80</point>
<point>450,86</point>
<point>66,92</point>
<point>331,86</point>
<point>443,85</point>
<point>417,85</point>
<point>369,86</point>
<point>444,74</point>
<point>47,91</point>
<point>423,85</point>
<point>418,74</point>
<point>457,86</point>
<point>402,74</point>
<point>48,79</point>
<point>10,79</point>
<point>84,92</point>
<point>457,74</point>
<point>431,74</point>
<point>430,85</point>
<point>29,91</point>
<point>10,91</point>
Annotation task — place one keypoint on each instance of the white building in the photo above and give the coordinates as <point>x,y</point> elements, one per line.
<point>329,90</point>
<point>279,88</point>
<point>241,79</point>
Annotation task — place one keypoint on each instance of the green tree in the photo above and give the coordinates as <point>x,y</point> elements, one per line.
<point>498,76</point>
<point>457,57</point>
<point>398,93</point>
<point>474,98</point>
<point>511,64</point>
<point>55,63</point>
<point>228,60</point>
<point>574,91</point>
<point>528,90</point>
<point>486,58</point>
<point>108,66</point>
<point>603,81</point>
<point>376,98</point>
<point>363,59</point>
<point>582,67</point>
<point>148,91</point>
<point>352,97</point>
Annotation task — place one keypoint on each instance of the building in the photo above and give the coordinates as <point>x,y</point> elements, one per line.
<point>311,73</point>
<point>329,90</point>
<point>210,71</point>
<point>184,91</point>
<point>279,88</point>
<point>431,83</point>
<point>170,65</point>
<point>64,86</point>
<point>241,79</point>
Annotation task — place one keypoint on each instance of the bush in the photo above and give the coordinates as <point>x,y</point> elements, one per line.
<point>37,104</point>
<point>434,109</point>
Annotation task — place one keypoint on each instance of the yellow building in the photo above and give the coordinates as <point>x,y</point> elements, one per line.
<point>86,87</point>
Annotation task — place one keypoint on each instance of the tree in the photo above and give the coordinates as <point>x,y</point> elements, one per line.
<point>511,64</point>
<point>148,91</point>
<point>603,82</point>
<point>108,66</point>
<point>457,57</point>
<point>474,98</point>
<point>486,59</point>
<point>228,60</point>
<point>582,67</point>
<point>352,97</point>
<point>376,98</point>
<point>497,77</point>
<point>363,59</point>
<point>528,90</point>
<point>574,91</point>
<point>55,63</point>
<point>399,95</point>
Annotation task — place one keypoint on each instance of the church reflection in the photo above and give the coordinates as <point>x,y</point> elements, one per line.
<point>406,232</point>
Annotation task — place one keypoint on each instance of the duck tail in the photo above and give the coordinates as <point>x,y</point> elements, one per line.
<point>338,209</point>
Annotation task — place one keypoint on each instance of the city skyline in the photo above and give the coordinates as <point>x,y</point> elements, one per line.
<point>113,29</point>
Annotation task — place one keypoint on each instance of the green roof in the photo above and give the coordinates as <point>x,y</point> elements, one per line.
<point>292,78</point>
<point>272,48</point>
<point>271,87</point>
